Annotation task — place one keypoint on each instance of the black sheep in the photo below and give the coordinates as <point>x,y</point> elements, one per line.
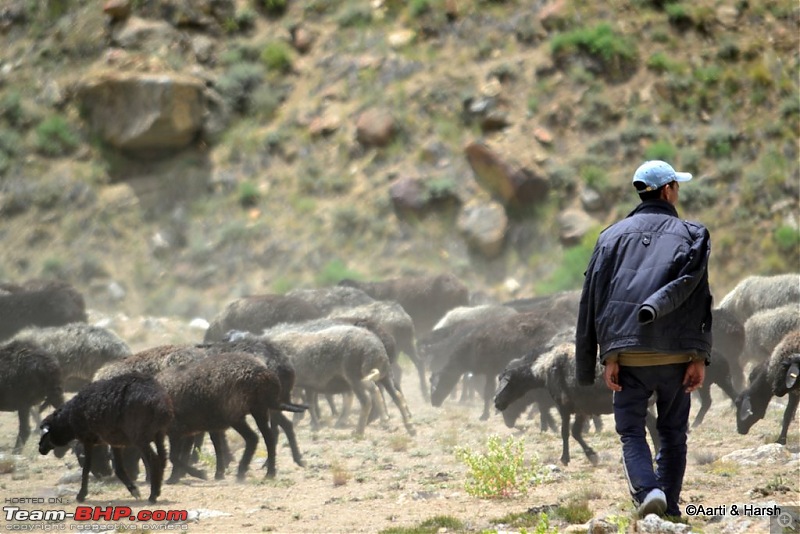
<point>486,349</point>
<point>258,312</point>
<point>128,410</point>
<point>28,376</point>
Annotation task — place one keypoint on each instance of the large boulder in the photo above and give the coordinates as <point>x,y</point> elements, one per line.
<point>510,184</point>
<point>144,112</point>
<point>484,226</point>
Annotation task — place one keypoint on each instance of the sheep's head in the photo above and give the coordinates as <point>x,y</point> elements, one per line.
<point>511,386</point>
<point>442,384</point>
<point>55,434</point>
<point>751,404</point>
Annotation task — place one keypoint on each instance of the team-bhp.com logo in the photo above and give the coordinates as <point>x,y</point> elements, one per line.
<point>94,513</point>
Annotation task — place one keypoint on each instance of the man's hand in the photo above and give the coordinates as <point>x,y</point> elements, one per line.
<point>611,376</point>
<point>695,374</point>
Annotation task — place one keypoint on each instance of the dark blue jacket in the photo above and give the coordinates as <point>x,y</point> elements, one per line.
<point>646,287</point>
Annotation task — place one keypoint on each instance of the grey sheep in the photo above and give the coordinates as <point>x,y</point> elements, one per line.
<point>562,306</point>
<point>29,376</point>
<point>397,323</point>
<point>81,349</point>
<point>554,370</point>
<point>486,348</point>
<point>778,376</point>
<point>39,303</point>
<point>218,392</point>
<point>757,293</point>
<point>255,313</point>
<point>765,329</point>
<point>337,355</point>
<point>327,299</point>
<point>425,298</point>
<point>127,410</point>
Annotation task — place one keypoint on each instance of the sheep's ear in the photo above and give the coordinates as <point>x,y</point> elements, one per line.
<point>792,375</point>
<point>746,409</point>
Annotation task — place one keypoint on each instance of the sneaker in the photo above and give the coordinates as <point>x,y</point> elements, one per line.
<point>654,503</point>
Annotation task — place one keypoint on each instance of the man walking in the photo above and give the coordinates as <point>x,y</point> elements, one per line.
<point>646,303</point>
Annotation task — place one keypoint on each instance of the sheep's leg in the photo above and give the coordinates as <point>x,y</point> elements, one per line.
<point>220,449</point>
<point>179,448</point>
<point>488,393</point>
<point>277,419</point>
<point>250,444</point>
<point>365,399</point>
<point>565,416</point>
<point>119,469</point>
<point>347,406</point>
<point>87,451</point>
<point>270,440</point>
<point>788,415</point>
<point>705,404</point>
<point>331,404</point>
<point>400,401</point>
<point>154,467</point>
<point>577,433</point>
<point>24,429</point>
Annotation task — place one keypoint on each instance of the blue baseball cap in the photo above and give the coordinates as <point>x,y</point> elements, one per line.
<point>655,173</point>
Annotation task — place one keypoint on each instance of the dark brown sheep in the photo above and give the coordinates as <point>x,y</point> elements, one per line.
<point>39,303</point>
<point>256,313</point>
<point>425,298</point>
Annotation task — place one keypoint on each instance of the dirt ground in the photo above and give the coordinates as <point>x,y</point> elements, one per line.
<point>389,479</point>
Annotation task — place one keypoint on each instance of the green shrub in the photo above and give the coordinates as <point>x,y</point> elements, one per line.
<point>237,84</point>
<point>501,471</point>
<point>274,8</point>
<point>616,53</point>
<point>663,150</point>
<point>575,511</point>
<point>277,57</point>
<point>787,238</point>
<point>354,15</point>
<point>55,137</point>
<point>440,523</point>
<point>334,272</point>
<point>417,8</point>
<point>595,177</point>
<point>248,194</point>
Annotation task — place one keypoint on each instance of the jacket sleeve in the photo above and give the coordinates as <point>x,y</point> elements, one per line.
<point>585,332</point>
<point>671,296</point>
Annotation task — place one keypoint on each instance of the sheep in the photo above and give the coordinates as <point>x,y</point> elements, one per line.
<point>277,361</point>
<point>328,299</point>
<point>425,298</point>
<point>554,370</point>
<point>562,305</point>
<point>445,332</point>
<point>215,393</point>
<point>28,376</point>
<point>729,338</point>
<point>777,376</point>
<point>81,349</point>
<point>394,319</point>
<point>128,410</point>
<point>757,293</point>
<point>255,313</point>
<point>39,303</point>
<point>486,348</point>
<point>345,354</point>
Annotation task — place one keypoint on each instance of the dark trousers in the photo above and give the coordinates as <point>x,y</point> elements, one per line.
<point>630,408</point>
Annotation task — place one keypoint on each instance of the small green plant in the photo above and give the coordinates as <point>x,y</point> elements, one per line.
<point>439,523</point>
<point>277,57</point>
<point>787,238</point>
<point>620,521</point>
<point>335,271</point>
<point>500,472</point>
<point>55,137</point>
<point>663,150</point>
<point>274,8</point>
<point>575,511</point>
<point>617,53</point>
<point>248,194</point>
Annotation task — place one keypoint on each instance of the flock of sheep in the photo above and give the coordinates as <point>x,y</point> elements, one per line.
<point>265,355</point>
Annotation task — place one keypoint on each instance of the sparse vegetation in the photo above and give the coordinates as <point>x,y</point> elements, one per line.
<point>500,472</point>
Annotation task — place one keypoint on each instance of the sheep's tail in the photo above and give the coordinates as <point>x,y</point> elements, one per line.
<point>372,376</point>
<point>292,407</point>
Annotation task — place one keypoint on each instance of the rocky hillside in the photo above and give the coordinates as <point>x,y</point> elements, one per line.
<point>166,156</point>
